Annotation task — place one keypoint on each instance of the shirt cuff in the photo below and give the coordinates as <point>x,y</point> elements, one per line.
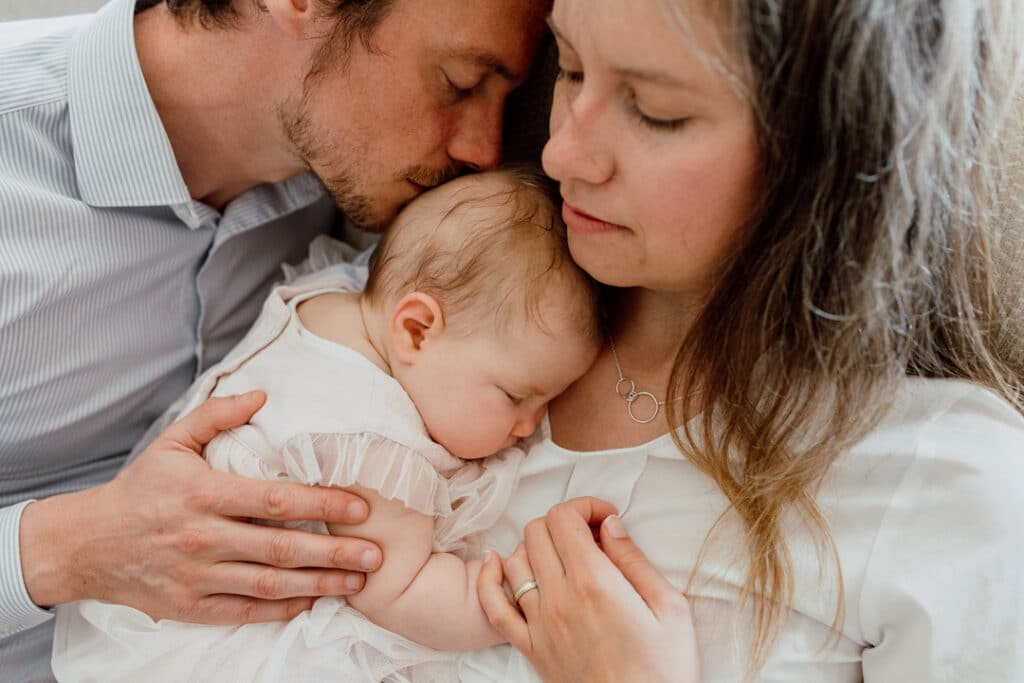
<point>17,611</point>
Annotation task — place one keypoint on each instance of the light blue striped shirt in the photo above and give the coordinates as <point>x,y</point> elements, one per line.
<point>116,288</point>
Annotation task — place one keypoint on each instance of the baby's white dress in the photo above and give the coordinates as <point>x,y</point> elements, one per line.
<point>333,418</point>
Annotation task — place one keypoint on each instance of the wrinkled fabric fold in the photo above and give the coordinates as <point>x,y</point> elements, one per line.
<point>332,418</point>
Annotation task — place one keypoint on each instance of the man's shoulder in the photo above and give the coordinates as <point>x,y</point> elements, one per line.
<point>33,61</point>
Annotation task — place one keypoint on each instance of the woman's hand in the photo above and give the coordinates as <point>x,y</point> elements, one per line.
<point>169,536</point>
<point>595,616</point>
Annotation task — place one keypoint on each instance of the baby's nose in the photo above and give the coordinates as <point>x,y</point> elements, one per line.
<point>528,425</point>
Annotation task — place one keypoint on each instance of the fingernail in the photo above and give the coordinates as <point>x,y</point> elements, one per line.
<point>356,511</point>
<point>489,556</point>
<point>353,582</point>
<point>613,525</point>
<point>248,397</point>
<point>369,559</point>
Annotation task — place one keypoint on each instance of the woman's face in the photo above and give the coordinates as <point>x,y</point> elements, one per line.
<point>655,149</point>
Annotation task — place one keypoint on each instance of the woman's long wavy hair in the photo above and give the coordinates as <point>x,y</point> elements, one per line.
<point>872,255</point>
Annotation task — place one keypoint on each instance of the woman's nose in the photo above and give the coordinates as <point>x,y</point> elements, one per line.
<point>575,151</point>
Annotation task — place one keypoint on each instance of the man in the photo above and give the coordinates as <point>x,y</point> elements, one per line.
<point>159,161</point>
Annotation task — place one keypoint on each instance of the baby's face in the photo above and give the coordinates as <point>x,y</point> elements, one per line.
<point>482,392</point>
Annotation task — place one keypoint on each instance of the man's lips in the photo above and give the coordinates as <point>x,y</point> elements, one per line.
<point>586,224</point>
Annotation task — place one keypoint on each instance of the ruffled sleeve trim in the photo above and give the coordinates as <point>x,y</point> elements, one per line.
<point>392,469</point>
<point>464,500</point>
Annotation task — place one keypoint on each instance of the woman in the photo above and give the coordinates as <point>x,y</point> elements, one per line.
<point>806,414</point>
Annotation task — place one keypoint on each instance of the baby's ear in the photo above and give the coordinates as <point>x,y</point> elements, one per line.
<point>416,320</point>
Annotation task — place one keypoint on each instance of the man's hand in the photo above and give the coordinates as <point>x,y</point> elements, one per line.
<point>171,537</point>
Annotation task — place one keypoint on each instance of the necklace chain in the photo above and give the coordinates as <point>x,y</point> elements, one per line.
<point>631,394</point>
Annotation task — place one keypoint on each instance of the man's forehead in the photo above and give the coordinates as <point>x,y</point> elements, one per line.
<point>498,35</point>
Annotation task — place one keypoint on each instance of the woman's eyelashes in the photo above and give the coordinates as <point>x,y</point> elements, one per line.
<point>575,77</point>
<point>569,75</point>
<point>657,124</point>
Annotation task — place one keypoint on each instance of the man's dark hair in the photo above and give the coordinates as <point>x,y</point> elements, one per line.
<point>356,18</point>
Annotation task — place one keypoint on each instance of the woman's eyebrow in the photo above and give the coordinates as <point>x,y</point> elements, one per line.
<point>653,76</point>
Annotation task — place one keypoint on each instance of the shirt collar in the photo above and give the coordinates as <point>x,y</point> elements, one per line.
<point>123,156</point>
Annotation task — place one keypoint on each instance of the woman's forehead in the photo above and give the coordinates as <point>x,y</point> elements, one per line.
<point>667,42</point>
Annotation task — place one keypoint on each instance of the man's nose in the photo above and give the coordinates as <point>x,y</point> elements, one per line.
<point>477,142</point>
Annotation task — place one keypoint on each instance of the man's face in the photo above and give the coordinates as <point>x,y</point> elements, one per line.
<point>426,102</point>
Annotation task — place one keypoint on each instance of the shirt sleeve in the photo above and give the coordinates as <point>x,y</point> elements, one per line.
<point>943,597</point>
<point>17,611</point>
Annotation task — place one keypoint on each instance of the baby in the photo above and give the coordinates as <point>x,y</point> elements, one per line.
<point>412,394</point>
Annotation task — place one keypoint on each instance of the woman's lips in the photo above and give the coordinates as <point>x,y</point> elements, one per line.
<point>584,223</point>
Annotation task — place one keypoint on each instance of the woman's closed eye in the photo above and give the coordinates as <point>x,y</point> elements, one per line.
<point>569,75</point>
<point>654,123</point>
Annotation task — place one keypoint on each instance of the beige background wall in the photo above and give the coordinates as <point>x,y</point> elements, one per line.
<point>25,9</point>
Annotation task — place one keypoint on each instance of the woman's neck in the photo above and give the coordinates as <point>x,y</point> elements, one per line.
<point>650,325</point>
<point>647,332</point>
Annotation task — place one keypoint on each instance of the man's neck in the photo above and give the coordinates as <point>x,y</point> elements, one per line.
<point>217,93</point>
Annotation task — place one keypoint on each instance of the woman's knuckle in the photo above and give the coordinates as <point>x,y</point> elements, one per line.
<point>535,526</point>
<point>559,511</point>
<point>499,620</point>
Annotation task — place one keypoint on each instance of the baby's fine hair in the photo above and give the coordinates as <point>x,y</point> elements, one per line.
<point>493,253</point>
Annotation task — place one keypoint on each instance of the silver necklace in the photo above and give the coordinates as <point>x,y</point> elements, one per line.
<point>626,390</point>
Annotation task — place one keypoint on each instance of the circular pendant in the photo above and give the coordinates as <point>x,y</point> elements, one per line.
<point>647,413</point>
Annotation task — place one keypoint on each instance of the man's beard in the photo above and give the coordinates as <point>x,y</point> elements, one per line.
<point>314,147</point>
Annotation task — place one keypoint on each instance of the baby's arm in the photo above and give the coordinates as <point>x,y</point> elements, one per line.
<point>428,597</point>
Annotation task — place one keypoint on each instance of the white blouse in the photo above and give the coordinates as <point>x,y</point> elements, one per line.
<point>927,513</point>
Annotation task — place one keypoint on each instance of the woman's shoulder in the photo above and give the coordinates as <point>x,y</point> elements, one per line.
<point>944,552</point>
<point>956,420</point>
<point>942,440</point>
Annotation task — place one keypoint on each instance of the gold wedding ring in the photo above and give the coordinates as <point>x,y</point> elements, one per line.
<point>523,589</point>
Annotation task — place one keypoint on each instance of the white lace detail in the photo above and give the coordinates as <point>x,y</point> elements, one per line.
<point>392,469</point>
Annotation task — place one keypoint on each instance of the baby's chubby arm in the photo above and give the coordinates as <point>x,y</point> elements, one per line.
<point>428,597</point>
